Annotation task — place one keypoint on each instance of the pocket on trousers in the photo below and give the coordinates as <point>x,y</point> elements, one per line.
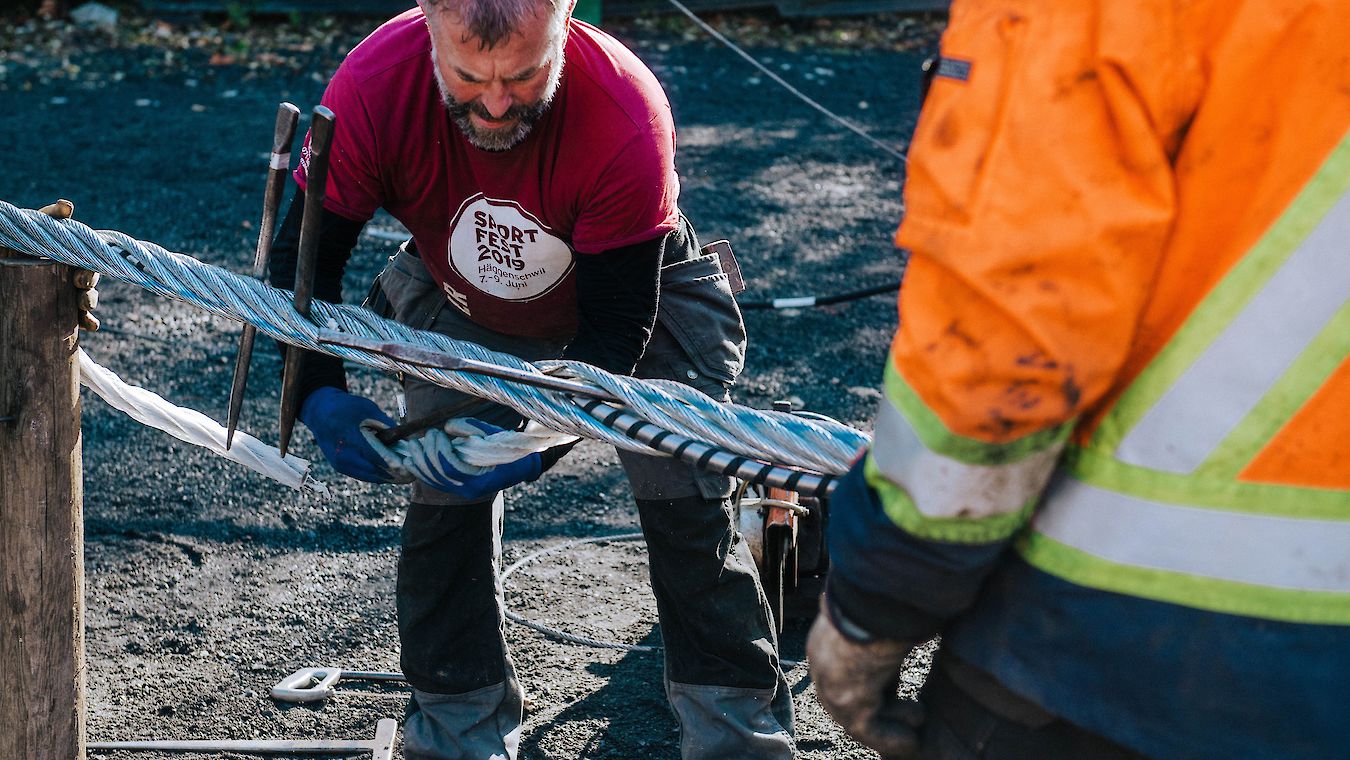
<point>698,309</point>
<point>406,291</point>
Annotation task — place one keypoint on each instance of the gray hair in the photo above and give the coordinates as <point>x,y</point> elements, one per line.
<point>491,22</point>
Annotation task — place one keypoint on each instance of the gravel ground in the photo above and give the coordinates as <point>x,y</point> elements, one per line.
<point>205,583</point>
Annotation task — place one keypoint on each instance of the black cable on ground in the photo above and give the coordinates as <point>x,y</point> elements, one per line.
<point>800,302</point>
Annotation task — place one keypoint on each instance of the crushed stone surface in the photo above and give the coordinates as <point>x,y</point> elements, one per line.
<point>207,584</point>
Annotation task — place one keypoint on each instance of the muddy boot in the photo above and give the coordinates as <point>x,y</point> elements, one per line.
<point>480,725</point>
<point>722,674</point>
<point>726,723</point>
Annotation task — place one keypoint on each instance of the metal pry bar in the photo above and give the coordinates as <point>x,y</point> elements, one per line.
<point>283,135</point>
<point>700,454</point>
<point>316,176</point>
<point>379,748</point>
<point>427,358</point>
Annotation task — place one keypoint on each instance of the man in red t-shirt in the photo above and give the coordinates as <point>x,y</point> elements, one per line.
<point>532,158</point>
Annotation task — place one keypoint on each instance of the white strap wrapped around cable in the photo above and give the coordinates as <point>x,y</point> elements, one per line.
<point>506,446</point>
<point>192,426</point>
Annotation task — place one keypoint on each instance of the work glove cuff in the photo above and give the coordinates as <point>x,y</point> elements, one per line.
<point>863,616</point>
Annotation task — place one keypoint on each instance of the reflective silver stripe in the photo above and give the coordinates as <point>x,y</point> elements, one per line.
<point>1280,552</point>
<point>1223,385</point>
<point>944,487</point>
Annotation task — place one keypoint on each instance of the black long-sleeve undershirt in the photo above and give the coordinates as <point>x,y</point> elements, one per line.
<point>617,294</point>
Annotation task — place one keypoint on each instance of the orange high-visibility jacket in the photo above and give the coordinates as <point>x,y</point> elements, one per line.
<point>1058,249</point>
<point>1123,343</point>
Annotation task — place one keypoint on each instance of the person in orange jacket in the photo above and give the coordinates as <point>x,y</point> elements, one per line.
<point>1112,467</point>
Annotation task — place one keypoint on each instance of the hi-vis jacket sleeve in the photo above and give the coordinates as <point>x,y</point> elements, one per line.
<point>1039,198</point>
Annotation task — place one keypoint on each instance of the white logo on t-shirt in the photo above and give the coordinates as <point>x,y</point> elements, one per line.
<point>457,298</point>
<point>505,252</point>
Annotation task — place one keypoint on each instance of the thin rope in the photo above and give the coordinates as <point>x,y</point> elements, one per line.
<point>854,128</point>
<point>574,638</point>
<point>803,302</point>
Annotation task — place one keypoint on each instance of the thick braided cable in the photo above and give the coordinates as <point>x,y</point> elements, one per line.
<point>818,445</point>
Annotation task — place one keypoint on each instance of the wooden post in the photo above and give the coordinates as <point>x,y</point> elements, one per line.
<point>42,707</point>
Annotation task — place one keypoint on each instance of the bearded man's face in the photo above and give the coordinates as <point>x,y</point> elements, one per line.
<point>495,95</point>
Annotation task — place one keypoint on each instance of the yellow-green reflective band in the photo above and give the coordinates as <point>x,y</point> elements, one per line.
<point>940,486</point>
<point>899,507</point>
<point>1223,305</point>
<point>1075,566</point>
<point>1296,554</point>
<point>938,438</point>
<point>1098,468</point>
<point>1261,344</point>
<point>1304,378</point>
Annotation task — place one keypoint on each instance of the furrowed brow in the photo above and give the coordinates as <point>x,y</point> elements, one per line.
<point>466,76</point>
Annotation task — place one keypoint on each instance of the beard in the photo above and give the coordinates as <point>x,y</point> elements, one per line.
<point>523,116</point>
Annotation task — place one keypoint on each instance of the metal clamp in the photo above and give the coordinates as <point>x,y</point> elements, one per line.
<point>318,684</point>
<point>762,504</point>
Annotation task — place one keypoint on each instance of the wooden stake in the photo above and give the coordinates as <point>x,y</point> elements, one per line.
<point>42,710</point>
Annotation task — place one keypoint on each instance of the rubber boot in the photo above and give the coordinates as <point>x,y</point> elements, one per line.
<point>480,725</point>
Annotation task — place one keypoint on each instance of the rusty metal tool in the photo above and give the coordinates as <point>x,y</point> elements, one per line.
<point>283,135</point>
<point>428,358</point>
<point>316,176</point>
<point>781,510</point>
<point>465,407</point>
<point>379,748</point>
<point>318,684</point>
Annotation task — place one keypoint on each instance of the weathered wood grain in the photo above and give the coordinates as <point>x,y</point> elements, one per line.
<point>42,707</point>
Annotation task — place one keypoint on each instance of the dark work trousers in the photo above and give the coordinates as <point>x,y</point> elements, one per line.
<point>723,677</point>
<point>978,719</point>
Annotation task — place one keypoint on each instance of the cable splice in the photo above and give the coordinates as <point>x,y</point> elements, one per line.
<point>803,302</point>
<point>818,446</point>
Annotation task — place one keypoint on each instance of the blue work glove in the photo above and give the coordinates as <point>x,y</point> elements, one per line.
<point>344,427</point>
<point>436,460</point>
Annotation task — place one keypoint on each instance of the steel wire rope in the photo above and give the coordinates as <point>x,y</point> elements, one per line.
<point>820,451</point>
<point>854,128</point>
<point>573,638</point>
<point>236,307</point>
<point>773,436</point>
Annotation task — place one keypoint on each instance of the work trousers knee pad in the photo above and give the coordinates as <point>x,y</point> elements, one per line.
<point>449,613</point>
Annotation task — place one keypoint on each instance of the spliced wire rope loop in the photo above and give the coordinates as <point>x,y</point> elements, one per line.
<point>812,444</point>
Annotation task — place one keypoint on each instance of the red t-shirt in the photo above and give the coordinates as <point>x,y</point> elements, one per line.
<point>498,230</point>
